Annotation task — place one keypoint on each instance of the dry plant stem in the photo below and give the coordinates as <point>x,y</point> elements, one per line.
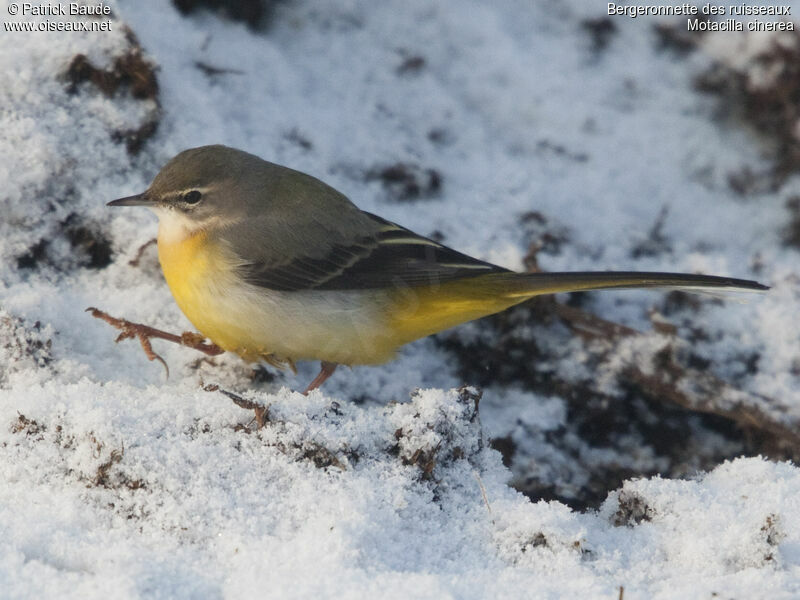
<point>483,491</point>
<point>685,386</point>
<point>134,262</point>
<point>143,333</point>
<point>261,412</point>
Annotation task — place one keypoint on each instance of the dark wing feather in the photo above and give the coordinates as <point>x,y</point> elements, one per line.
<point>305,272</point>
<point>392,256</point>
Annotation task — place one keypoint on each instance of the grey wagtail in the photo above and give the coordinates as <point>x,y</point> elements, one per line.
<point>277,266</point>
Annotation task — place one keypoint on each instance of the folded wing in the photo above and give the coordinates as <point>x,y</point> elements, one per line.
<point>390,255</point>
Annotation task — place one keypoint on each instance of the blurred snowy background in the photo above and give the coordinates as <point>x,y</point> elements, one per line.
<point>605,450</point>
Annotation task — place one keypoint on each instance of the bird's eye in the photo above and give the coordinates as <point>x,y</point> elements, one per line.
<point>192,197</point>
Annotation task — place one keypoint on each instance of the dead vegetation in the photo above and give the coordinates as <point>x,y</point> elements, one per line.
<point>129,72</point>
<point>632,509</point>
<point>542,236</point>
<point>411,64</point>
<point>23,346</point>
<point>407,445</point>
<point>601,30</point>
<point>307,450</point>
<point>255,13</point>
<point>90,246</point>
<point>772,533</point>
<point>108,473</point>
<point>675,37</point>
<point>213,71</point>
<point>128,75</point>
<point>446,447</point>
<point>110,476</point>
<point>29,427</point>
<point>791,233</point>
<point>762,93</point>
<point>406,182</point>
<point>140,253</point>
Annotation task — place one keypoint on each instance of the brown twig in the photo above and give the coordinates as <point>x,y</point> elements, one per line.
<point>261,412</point>
<point>211,70</point>
<point>134,262</point>
<point>143,333</point>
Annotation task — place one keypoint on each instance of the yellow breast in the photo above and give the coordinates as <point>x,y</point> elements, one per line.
<point>184,262</point>
<point>200,275</point>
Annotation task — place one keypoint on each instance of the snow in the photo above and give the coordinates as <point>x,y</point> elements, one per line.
<point>118,481</point>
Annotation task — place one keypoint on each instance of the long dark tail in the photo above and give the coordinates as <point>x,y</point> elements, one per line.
<point>535,284</point>
<point>441,307</point>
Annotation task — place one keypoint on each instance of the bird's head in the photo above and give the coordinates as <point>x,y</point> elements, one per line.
<point>201,188</point>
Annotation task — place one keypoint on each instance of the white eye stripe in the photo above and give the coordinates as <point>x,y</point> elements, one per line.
<point>202,190</point>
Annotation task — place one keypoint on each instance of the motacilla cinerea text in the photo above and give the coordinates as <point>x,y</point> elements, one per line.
<point>277,266</point>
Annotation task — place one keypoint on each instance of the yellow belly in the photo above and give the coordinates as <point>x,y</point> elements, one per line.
<point>427,310</point>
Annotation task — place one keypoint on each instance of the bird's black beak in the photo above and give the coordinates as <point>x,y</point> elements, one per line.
<point>137,200</point>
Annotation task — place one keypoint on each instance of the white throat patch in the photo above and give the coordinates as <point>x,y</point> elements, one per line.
<point>174,226</point>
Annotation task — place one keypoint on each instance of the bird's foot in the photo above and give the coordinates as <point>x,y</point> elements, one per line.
<point>144,333</point>
<point>326,370</point>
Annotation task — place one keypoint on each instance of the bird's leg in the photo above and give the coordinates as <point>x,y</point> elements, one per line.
<point>326,370</point>
<point>143,333</point>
